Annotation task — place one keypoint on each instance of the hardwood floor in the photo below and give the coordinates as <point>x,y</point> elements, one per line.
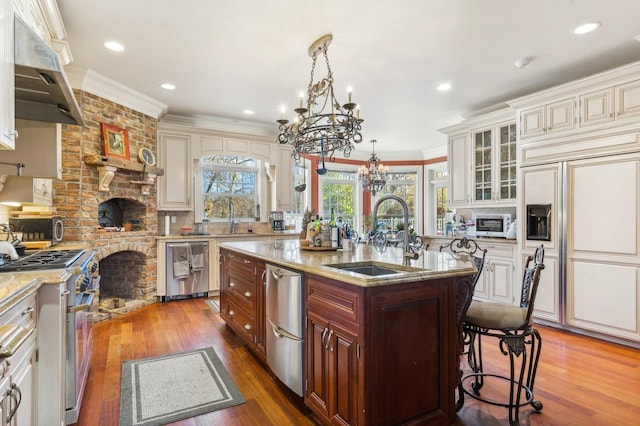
<point>580,381</point>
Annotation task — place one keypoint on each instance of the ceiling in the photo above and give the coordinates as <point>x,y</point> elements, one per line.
<point>228,56</point>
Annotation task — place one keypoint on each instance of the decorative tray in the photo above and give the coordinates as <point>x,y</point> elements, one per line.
<point>311,248</point>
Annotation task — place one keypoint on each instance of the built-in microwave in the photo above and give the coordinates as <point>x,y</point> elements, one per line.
<point>492,225</point>
<point>39,229</point>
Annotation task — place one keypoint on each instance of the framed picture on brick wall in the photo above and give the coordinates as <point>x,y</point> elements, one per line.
<point>115,142</point>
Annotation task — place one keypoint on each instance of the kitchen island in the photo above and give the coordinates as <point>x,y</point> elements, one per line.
<point>380,349</point>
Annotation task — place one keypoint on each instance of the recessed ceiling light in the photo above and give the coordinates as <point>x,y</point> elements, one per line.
<point>586,28</point>
<point>168,86</point>
<point>248,112</point>
<point>522,62</point>
<point>443,87</point>
<point>114,45</point>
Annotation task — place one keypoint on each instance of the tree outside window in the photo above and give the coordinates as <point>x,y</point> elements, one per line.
<point>403,185</point>
<point>338,192</point>
<point>229,187</point>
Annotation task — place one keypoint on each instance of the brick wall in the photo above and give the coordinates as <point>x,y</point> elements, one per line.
<point>127,259</point>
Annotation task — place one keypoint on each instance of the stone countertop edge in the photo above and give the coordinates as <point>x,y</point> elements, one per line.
<point>238,235</point>
<point>14,286</point>
<point>287,253</point>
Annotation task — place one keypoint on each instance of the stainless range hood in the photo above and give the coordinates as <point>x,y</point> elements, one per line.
<point>43,92</point>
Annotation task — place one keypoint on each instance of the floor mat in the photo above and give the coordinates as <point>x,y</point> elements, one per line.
<point>164,389</point>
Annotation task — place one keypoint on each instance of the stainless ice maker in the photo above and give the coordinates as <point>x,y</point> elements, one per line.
<point>285,328</point>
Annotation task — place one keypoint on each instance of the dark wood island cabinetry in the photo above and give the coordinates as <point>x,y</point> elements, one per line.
<point>378,350</point>
<point>242,298</point>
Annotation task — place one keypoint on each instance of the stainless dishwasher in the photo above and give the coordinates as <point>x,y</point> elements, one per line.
<point>285,328</point>
<point>187,271</point>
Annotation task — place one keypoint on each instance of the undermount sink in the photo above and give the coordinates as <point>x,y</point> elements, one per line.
<point>375,269</point>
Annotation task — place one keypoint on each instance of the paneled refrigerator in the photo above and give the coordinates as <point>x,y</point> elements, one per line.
<point>586,213</point>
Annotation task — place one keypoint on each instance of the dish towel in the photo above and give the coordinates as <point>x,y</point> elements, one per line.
<point>181,255</point>
<point>197,257</point>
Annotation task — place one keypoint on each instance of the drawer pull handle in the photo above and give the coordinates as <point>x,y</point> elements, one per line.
<point>28,311</point>
<point>247,294</point>
<point>231,284</point>
<point>246,261</point>
<point>231,313</point>
<point>247,327</point>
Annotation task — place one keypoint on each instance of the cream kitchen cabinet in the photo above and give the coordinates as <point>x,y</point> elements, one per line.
<point>628,99</point>
<point>494,164</point>
<point>458,163</point>
<point>175,187</point>
<point>481,160</point>
<point>496,281</point>
<point>32,13</point>
<point>52,344</point>
<point>285,197</point>
<point>611,103</point>
<point>549,118</point>
<point>596,107</point>
<point>17,370</point>
<point>23,386</point>
<point>8,133</point>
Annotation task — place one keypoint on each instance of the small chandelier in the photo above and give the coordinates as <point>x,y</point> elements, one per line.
<point>373,176</point>
<point>323,126</point>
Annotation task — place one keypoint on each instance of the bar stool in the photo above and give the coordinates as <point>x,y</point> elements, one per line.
<point>467,248</point>
<point>512,325</point>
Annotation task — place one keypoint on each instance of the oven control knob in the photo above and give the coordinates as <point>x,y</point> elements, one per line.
<point>92,267</point>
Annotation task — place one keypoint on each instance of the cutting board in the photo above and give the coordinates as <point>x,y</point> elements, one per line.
<point>37,245</point>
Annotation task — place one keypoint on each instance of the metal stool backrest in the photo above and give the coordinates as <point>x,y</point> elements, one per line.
<point>530,281</point>
<point>464,246</point>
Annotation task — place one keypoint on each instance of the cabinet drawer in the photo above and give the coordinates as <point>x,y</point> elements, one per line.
<point>242,288</point>
<point>242,265</point>
<point>332,299</point>
<point>22,313</point>
<point>499,250</point>
<point>242,322</point>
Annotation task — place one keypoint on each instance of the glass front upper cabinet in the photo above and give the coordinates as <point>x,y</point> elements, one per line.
<point>483,190</point>
<point>494,164</point>
<point>507,179</point>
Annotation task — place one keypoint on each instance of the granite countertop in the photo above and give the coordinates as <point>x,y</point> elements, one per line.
<point>14,285</point>
<point>287,253</point>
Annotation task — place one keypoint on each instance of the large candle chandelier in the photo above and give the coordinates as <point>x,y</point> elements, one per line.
<point>373,175</point>
<point>322,126</point>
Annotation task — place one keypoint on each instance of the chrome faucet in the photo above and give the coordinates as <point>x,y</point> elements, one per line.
<point>408,254</point>
<point>232,217</point>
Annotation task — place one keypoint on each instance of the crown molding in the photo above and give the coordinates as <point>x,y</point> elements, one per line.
<point>90,81</point>
<point>222,124</point>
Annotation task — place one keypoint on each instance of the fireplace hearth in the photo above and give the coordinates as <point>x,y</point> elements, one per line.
<point>121,223</point>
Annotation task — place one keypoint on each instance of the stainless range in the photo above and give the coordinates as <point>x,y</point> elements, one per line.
<point>84,283</point>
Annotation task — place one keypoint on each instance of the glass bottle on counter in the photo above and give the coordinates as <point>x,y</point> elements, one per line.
<point>333,231</point>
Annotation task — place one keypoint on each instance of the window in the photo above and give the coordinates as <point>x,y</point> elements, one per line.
<point>338,191</point>
<point>229,187</point>
<point>442,200</point>
<point>403,185</point>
